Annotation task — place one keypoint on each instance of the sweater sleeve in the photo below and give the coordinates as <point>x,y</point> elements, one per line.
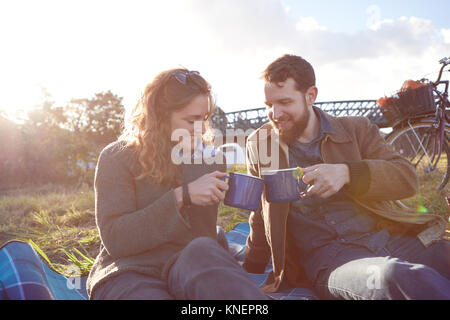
<point>257,251</point>
<point>124,230</point>
<point>383,174</point>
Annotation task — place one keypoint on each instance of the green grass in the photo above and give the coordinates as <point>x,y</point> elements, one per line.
<point>229,217</point>
<point>428,198</point>
<point>59,222</point>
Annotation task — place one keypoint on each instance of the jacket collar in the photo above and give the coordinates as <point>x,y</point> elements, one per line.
<point>338,134</point>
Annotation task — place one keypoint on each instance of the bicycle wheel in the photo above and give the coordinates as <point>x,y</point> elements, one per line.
<point>416,143</point>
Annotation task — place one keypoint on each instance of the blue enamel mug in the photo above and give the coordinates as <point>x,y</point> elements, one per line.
<point>244,191</point>
<point>284,185</point>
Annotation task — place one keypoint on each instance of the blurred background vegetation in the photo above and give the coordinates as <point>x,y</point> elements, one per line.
<point>58,144</point>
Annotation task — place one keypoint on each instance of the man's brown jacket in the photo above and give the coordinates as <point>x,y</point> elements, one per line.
<point>378,174</point>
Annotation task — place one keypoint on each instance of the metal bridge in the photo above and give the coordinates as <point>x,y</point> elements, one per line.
<point>254,118</point>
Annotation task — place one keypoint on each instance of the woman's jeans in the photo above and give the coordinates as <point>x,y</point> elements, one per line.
<point>403,269</point>
<point>204,270</point>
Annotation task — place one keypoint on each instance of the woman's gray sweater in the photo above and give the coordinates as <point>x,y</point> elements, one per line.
<point>140,226</point>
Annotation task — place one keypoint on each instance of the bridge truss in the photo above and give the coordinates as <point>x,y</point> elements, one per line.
<point>254,118</point>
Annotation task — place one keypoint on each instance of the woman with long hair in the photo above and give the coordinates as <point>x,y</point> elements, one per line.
<point>156,217</point>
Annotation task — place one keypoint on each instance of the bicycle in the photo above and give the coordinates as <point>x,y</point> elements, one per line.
<point>421,133</point>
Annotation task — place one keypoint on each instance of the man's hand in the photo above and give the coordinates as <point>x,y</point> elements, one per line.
<point>326,179</point>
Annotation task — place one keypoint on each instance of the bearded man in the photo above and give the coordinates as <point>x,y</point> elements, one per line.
<point>343,238</point>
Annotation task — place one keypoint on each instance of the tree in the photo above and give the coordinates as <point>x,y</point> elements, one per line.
<point>94,122</point>
<point>11,155</point>
<point>99,118</point>
<point>45,113</point>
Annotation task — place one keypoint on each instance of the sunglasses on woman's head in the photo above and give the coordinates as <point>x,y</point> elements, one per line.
<point>182,76</point>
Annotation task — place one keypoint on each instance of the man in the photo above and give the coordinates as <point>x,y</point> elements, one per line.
<point>343,237</point>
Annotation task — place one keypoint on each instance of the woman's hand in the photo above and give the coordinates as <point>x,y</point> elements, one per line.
<point>208,189</point>
<point>326,179</point>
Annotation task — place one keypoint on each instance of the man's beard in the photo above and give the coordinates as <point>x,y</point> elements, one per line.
<point>296,129</point>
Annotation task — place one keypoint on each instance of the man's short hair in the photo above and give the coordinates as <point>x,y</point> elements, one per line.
<point>291,66</point>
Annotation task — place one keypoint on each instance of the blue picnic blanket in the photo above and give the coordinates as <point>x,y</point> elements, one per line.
<point>25,276</point>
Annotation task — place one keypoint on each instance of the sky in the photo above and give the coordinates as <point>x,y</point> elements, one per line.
<point>74,49</point>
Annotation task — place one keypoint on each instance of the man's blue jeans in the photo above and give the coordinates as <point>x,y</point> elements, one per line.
<point>403,269</point>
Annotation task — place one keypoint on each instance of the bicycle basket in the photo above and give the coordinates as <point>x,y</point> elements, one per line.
<point>417,101</point>
<point>408,103</point>
<point>390,107</point>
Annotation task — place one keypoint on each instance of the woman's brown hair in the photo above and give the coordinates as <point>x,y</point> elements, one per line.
<point>147,127</point>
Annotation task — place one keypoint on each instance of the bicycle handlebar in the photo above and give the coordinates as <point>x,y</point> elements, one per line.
<point>444,61</point>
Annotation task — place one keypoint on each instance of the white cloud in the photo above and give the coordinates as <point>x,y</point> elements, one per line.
<point>364,65</point>
<point>309,24</point>
<point>446,34</point>
<point>375,26</point>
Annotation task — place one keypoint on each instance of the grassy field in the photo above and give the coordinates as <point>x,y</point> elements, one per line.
<point>57,220</point>
<point>60,223</point>
<point>428,198</point>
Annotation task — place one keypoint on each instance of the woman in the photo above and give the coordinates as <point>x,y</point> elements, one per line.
<point>156,219</point>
